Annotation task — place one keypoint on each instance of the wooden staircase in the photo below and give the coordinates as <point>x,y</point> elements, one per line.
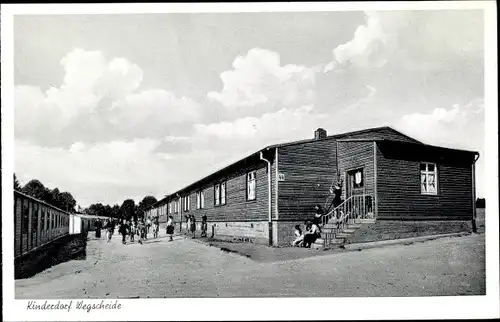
<point>340,224</point>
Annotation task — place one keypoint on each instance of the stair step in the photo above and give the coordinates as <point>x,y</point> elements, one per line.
<point>317,246</point>
<point>343,235</point>
<point>335,241</point>
<point>365,221</point>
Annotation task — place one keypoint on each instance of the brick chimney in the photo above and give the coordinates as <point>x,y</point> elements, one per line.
<point>319,134</point>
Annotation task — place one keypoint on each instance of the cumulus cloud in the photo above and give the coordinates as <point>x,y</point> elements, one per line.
<point>173,145</point>
<point>460,126</point>
<point>149,110</point>
<point>251,133</point>
<point>97,101</point>
<point>277,124</point>
<point>80,169</point>
<point>258,80</point>
<point>419,39</point>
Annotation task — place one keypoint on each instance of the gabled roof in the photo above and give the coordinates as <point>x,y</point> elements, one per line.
<point>409,143</point>
<point>270,147</point>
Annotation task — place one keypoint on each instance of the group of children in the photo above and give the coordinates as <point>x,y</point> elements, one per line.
<point>307,238</point>
<point>191,225</point>
<point>312,228</point>
<point>140,227</point>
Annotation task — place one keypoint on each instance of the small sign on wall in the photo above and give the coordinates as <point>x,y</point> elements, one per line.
<point>281,176</point>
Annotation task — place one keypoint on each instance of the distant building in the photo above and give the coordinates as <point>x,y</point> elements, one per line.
<point>406,187</point>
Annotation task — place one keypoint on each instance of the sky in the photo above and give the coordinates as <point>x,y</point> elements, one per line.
<point>111,107</point>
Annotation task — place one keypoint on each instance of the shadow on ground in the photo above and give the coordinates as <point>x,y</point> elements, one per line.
<point>67,248</point>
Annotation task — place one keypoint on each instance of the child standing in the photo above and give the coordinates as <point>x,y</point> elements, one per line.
<point>170,227</point>
<point>204,226</point>
<point>123,231</point>
<point>193,226</point>
<point>188,224</point>
<point>132,231</point>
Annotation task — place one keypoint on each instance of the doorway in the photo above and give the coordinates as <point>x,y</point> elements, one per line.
<point>355,182</point>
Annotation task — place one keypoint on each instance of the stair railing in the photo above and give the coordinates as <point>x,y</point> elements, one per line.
<point>353,208</point>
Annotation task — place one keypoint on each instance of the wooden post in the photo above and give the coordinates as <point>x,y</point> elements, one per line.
<point>474,227</point>
<point>375,195</point>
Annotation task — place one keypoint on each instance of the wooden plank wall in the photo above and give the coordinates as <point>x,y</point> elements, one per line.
<point>378,134</point>
<point>18,234</point>
<point>237,208</point>
<point>29,231</point>
<point>399,192</point>
<point>353,155</point>
<point>309,169</point>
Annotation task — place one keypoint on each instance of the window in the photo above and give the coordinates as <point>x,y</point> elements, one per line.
<point>217,194</point>
<point>177,207</point>
<point>358,179</point>
<point>34,219</point>
<point>428,178</point>
<point>170,207</point>
<point>200,200</point>
<point>43,225</point>
<point>220,194</point>
<point>26,216</point>
<point>185,203</point>
<point>251,185</point>
<point>223,193</point>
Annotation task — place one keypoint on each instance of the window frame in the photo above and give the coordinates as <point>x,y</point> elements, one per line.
<point>427,172</point>
<point>217,195</point>
<point>200,199</point>
<point>223,201</point>
<point>25,217</point>
<point>220,194</point>
<point>185,204</point>
<point>249,181</point>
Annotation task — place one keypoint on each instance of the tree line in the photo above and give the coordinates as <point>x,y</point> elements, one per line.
<point>64,200</point>
<point>128,210</point>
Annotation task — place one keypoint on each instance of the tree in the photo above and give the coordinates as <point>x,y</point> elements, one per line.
<point>54,198</point>
<point>127,210</point>
<point>147,202</point>
<point>36,189</point>
<point>68,203</point>
<point>115,211</point>
<point>107,211</point>
<point>17,185</point>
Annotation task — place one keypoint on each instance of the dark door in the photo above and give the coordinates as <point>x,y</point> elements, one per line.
<point>355,184</point>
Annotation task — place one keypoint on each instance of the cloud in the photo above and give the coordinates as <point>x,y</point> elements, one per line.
<point>148,111</point>
<point>86,169</point>
<point>173,145</point>
<point>418,39</point>
<point>258,83</point>
<point>98,101</point>
<point>248,134</point>
<point>270,125</point>
<point>460,127</point>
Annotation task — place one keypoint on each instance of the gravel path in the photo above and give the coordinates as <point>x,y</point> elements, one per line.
<point>184,268</point>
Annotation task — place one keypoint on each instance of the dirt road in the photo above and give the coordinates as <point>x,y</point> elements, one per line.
<point>183,268</point>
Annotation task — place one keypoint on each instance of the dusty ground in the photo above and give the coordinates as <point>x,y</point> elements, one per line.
<point>184,268</point>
